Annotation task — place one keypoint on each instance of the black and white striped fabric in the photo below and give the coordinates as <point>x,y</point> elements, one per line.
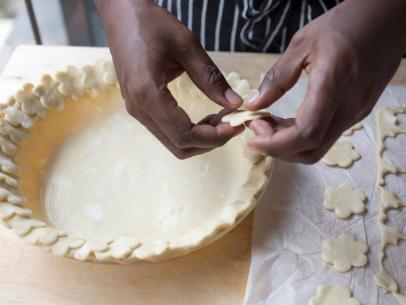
<point>246,25</point>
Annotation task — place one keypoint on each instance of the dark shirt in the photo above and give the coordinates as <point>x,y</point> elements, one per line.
<point>246,25</point>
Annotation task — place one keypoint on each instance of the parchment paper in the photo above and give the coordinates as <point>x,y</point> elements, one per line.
<point>291,224</point>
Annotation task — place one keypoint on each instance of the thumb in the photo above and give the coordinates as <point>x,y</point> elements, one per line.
<point>208,78</point>
<point>279,79</point>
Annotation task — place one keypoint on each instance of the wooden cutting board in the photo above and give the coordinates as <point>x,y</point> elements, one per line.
<point>214,275</point>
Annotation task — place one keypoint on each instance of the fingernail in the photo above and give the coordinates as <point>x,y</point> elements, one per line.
<point>232,97</point>
<point>251,96</point>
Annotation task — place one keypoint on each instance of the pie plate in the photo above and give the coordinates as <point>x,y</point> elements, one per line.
<point>82,179</point>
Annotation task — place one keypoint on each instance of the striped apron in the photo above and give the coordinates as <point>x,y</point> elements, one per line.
<point>246,25</point>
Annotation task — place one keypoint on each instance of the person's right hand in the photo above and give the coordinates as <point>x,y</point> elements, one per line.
<point>150,48</point>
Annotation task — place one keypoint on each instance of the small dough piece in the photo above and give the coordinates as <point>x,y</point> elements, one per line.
<point>343,252</point>
<point>385,281</point>
<point>344,200</point>
<point>49,94</point>
<point>29,102</point>
<point>342,154</point>
<point>352,129</point>
<point>387,125</point>
<point>327,295</point>
<point>70,85</point>
<point>386,167</point>
<point>239,117</point>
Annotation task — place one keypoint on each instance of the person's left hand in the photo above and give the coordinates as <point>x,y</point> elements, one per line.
<point>350,54</point>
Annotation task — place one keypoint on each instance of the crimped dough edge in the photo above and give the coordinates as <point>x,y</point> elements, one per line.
<point>18,115</point>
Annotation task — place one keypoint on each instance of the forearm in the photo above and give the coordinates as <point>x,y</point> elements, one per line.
<point>385,20</point>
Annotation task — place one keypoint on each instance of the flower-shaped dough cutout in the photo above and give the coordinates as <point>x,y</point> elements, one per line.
<point>342,154</point>
<point>89,248</point>
<point>343,252</point>
<point>14,133</point>
<point>8,166</point>
<point>7,194</point>
<point>23,225</point>
<point>63,245</point>
<point>96,77</point>
<point>49,94</point>
<point>70,85</point>
<point>109,75</point>
<point>29,102</point>
<point>119,249</point>
<point>43,236</point>
<point>327,295</point>
<point>8,147</point>
<point>344,200</point>
<point>17,117</point>
<point>8,210</point>
<point>8,180</point>
<point>239,117</point>
<point>352,129</point>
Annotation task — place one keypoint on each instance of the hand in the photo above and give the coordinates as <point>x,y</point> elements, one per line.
<point>151,48</point>
<point>350,54</point>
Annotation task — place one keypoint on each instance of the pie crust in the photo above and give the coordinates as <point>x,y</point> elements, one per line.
<point>70,180</point>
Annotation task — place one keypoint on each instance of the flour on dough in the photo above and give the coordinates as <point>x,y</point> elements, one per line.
<point>239,117</point>
<point>341,154</point>
<point>344,252</point>
<point>352,129</point>
<point>338,295</point>
<point>344,200</point>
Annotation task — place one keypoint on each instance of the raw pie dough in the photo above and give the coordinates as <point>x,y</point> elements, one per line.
<point>387,126</point>
<point>352,129</point>
<point>100,187</point>
<point>344,200</point>
<point>239,117</point>
<point>343,252</point>
<point>341,154</point>
<point>327,295</point>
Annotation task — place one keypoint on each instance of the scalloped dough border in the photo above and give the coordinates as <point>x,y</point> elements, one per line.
<point>32,102</point>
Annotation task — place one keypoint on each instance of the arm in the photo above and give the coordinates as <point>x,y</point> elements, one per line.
<point>149,49</point>
<point>350,54</point>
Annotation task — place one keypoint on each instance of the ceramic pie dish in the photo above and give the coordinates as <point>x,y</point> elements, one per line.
<point>82,179</point>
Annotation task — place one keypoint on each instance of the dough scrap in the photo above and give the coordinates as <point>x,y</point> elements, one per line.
<point>386,167</point>
<point>352,129</point>
<point>344,200</point>
<point>341,154</point>
<point>387,126</point>
<point>239,117</point>
<point>338,295</point>
<point>343,252</point>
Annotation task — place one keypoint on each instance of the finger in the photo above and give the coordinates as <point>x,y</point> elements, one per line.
<point>279,79</point>
<point>308,129</point>
<point>338,125</point>
<point>214,119</point>
<point>207,76</point>
<point>176,125</point>
<point>145,120</point>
